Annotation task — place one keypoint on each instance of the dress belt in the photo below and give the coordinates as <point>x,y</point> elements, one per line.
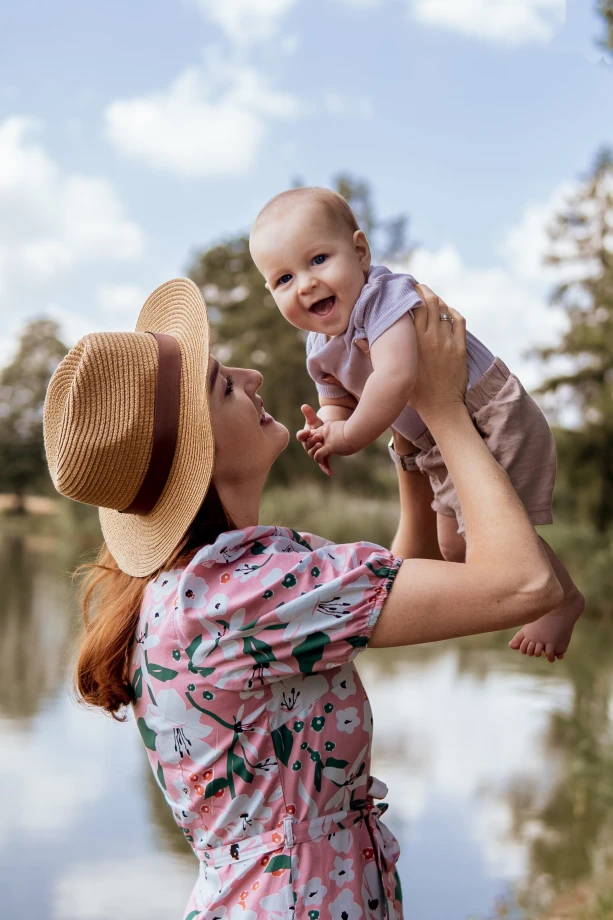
<point>293,832</point>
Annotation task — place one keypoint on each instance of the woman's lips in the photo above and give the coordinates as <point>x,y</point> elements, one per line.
<point>323,307</point>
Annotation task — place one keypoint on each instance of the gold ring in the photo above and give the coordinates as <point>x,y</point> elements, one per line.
<point>445,318</point>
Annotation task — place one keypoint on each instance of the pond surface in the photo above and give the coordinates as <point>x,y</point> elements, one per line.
<point>499,770</point>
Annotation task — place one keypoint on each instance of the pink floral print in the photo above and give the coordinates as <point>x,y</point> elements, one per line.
<point>258,729</point>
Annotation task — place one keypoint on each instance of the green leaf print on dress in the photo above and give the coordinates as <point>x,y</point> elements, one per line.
<point>309,652</point>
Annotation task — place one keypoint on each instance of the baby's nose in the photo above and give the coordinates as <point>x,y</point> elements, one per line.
<point>307,283</point>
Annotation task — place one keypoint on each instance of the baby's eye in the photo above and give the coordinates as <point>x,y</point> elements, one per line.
<point>284,279</point>
<point>320,259</point>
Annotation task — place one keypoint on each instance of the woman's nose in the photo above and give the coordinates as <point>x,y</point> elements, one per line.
<point>254,380</point>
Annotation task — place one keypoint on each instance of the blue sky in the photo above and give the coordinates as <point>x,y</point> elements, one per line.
<point>131,134</point>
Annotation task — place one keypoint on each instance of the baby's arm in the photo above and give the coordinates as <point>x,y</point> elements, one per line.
<point>386,392</point>
<point>336,410</point>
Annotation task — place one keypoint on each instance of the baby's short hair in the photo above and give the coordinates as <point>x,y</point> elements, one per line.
<point>335,204</point>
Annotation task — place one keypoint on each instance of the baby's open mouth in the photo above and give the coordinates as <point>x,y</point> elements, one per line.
<point>323,307</point>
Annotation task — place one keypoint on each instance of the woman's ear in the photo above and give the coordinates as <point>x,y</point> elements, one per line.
<point>362,249</point>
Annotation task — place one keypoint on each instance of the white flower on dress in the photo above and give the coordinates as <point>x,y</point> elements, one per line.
<point>246,816</point>
<point>327,554</point>
<point>347,720</point>
<point>244,724</point>
<point>270,577</point>
<point>163,587</point>
<point>344,907</point>
<point>343,683</point>
<point>343,871</point>
<point>341,841</point>
<point>280,906</point>
<point>295,697</point>
<point>348,780</point>
<point>206,838</point>
<point>372,892</point>
<point>253,676</point>
<point>156,615</point>
<point>226,548</point>
<point>180,732</point>
<point>313,892</point>
<point>218,632</point>
<point>182,805</point>
<point>193,591</point>
<point>241,913</point>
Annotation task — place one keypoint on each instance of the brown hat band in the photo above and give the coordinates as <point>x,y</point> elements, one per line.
<point>165,425</point>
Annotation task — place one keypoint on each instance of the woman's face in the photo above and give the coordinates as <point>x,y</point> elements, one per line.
<point>247,439</point>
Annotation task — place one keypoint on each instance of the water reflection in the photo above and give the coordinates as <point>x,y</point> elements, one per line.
<point>498,768</point>
<point>35,624</point>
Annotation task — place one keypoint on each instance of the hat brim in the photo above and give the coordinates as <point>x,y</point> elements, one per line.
<point>141,544</point>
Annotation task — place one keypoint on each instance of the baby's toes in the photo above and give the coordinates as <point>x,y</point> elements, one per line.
<point>531,647</point>
<point>538,651</point>
<point>524,646</point>
<point>517,639</point>
<point>550,652</point>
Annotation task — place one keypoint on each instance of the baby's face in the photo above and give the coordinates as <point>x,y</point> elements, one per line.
<point>315,267</point>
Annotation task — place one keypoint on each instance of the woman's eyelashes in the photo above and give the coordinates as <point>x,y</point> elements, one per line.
<point>229,385</point>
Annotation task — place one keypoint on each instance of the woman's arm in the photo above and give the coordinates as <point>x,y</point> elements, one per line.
<point>507,578</point>
<point>416,537</point>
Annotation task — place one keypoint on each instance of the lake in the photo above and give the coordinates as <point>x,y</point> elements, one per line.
<point>499,769</point>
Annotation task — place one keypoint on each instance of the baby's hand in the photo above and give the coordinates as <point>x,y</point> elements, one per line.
<point>310,437</point>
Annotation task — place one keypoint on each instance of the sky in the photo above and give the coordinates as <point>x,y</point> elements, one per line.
<point>133,135</point>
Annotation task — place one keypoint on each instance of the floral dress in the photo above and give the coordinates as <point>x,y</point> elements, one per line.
<point>258,729</point>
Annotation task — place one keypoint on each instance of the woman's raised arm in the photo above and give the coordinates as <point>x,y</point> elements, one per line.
<point>506,580</point>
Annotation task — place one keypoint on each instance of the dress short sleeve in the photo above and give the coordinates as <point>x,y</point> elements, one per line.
<point>266,603</point>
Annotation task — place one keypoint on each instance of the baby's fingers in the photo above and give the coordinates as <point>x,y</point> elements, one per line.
<point>325,467</point>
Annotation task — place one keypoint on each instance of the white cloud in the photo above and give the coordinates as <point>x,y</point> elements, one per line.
<point>114,888</point>
<point>51,221</point>
<point>506,306</point>
<point>121,298</point>
<point>510,22</point>
<point>246,21</point>
<point>209,122</point>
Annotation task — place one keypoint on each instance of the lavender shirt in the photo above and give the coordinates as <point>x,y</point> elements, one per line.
<point>384,299</point>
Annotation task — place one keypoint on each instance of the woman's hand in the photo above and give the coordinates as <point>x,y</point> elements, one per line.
<point>441,355</point>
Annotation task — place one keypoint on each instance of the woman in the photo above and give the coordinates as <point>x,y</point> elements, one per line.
<point>234,642</point>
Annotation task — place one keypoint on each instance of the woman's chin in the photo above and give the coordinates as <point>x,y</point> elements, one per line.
<point>280,433</point>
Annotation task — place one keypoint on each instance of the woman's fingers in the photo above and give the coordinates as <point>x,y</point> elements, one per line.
<point>423,316</point>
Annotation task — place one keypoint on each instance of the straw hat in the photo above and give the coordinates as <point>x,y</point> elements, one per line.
<point>127,426</point>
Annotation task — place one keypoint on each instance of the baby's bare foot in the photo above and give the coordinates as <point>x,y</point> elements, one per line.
<point>551,634</point>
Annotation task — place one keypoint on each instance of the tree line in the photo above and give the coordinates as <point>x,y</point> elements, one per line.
<point>248,330</point>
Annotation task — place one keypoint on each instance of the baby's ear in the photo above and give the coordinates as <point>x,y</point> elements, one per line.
<point>267,286</point>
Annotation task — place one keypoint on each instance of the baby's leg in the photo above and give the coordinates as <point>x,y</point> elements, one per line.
<point>551,633</point>
<point>451,543</point>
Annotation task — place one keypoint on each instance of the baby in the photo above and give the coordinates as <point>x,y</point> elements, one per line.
<point>362,355</point>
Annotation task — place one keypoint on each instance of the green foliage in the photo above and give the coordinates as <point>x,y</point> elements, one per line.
<point>581,244</point>
<point>249,331</point>
<point>23,384</point>
<point>606,9</point>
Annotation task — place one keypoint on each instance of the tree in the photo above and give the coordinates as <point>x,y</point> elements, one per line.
<point>249,331</point>
<point>582,244</point>
<point>23,384</point>
<point>606,9</point>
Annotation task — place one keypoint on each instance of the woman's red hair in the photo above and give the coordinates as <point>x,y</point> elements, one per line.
<point>110,604</point>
